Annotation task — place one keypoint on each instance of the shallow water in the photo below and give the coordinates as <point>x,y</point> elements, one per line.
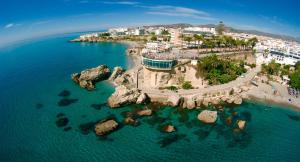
<point>36,91</point>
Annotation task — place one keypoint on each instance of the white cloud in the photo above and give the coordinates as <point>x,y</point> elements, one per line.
<point>122,2</point>
<point>9,25</point>
<point>178,11</point>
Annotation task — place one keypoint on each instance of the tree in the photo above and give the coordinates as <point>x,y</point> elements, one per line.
<point>295,80</point>
<point>188,39</point>
<point>198,38</point>
<point>154,38</point>
<point>252,42</point>
<point>187,85</point>
<point>165,32</point>
<point>220,28</point>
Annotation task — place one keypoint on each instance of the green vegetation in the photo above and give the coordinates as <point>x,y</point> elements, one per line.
<point>220,41</point>
<point>187,85</point>
<point>219,71</point>
<point>272,68</point>
<point>154,38</point>
<point>165,32</point>
<point>295,77</point>
<point>172,88</point>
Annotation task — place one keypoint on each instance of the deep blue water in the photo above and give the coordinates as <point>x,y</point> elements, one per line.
<point>33,73</point>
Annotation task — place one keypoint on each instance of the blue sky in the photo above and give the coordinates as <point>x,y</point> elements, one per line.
<point>23,19</point>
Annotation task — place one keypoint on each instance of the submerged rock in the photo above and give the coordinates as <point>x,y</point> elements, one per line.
<point>208,116</point>
<point>123,96</point>
<point>62,121</point>
<point>66,102</point>
<point>64,93</point>
<point>39,106</point>
<point>87,78</point>
<point>98,106</point>
<point>105,127</point>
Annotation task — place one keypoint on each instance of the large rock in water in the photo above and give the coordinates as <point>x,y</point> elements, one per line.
<point>145,112</point>
<point>123,96</point>
<point>173,100</point>
<point>241,124</point>
<point>87,78</point>
<point>118,71</point>
<point>105,127</point>
<point>208,116</point>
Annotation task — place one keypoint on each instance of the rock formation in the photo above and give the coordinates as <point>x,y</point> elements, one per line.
<point>241,124</point>
<point>208,116</point>
<point>142,98</point>
<point>190,103</point>
<point>169,128</point>
<point>130,121</point>
<point>173,100</point>
<point>118,71</point>
<point>105,127</point>
<point>145,112</point>
<point>123,96</point>
<point>87,78</point>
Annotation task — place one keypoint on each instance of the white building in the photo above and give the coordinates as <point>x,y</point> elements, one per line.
<point>287,57</point>
<point>199,30</point>
<point>175,36</point>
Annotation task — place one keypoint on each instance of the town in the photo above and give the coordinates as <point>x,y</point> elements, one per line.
<point>206,64</point>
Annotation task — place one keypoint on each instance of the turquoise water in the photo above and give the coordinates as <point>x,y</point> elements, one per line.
<point>33,73</point>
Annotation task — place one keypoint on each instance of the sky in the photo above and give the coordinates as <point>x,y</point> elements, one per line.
<point>25,19</point>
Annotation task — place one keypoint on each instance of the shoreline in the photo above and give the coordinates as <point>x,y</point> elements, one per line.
<point>271,102</point>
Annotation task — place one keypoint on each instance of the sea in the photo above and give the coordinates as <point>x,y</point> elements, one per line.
<point>45,116</point>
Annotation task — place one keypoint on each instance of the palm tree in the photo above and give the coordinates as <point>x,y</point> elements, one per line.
<point>198,38</point>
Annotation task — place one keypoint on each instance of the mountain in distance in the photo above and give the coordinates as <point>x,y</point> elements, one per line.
<point>231,29</point>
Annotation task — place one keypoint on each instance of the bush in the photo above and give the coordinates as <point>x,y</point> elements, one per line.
<point>295,80</point>
<point>187,85</point>
<point>172,88</point>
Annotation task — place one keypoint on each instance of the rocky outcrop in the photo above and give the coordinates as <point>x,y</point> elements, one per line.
<point>190,103</point>
<point>173,100</point>
<point>87,78</point>
<point>237,100</point>
<point>125,79</point>
<point>118,71</point>
<point>145,112</point>
<point>105,127</point>
<point>123,96</point>
<point>142,98</point>
<point>130,121</point>
<point>208,116</point>
<point>169,128</point>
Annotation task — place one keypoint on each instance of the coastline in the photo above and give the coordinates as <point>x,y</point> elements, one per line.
<point>134,64</point>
